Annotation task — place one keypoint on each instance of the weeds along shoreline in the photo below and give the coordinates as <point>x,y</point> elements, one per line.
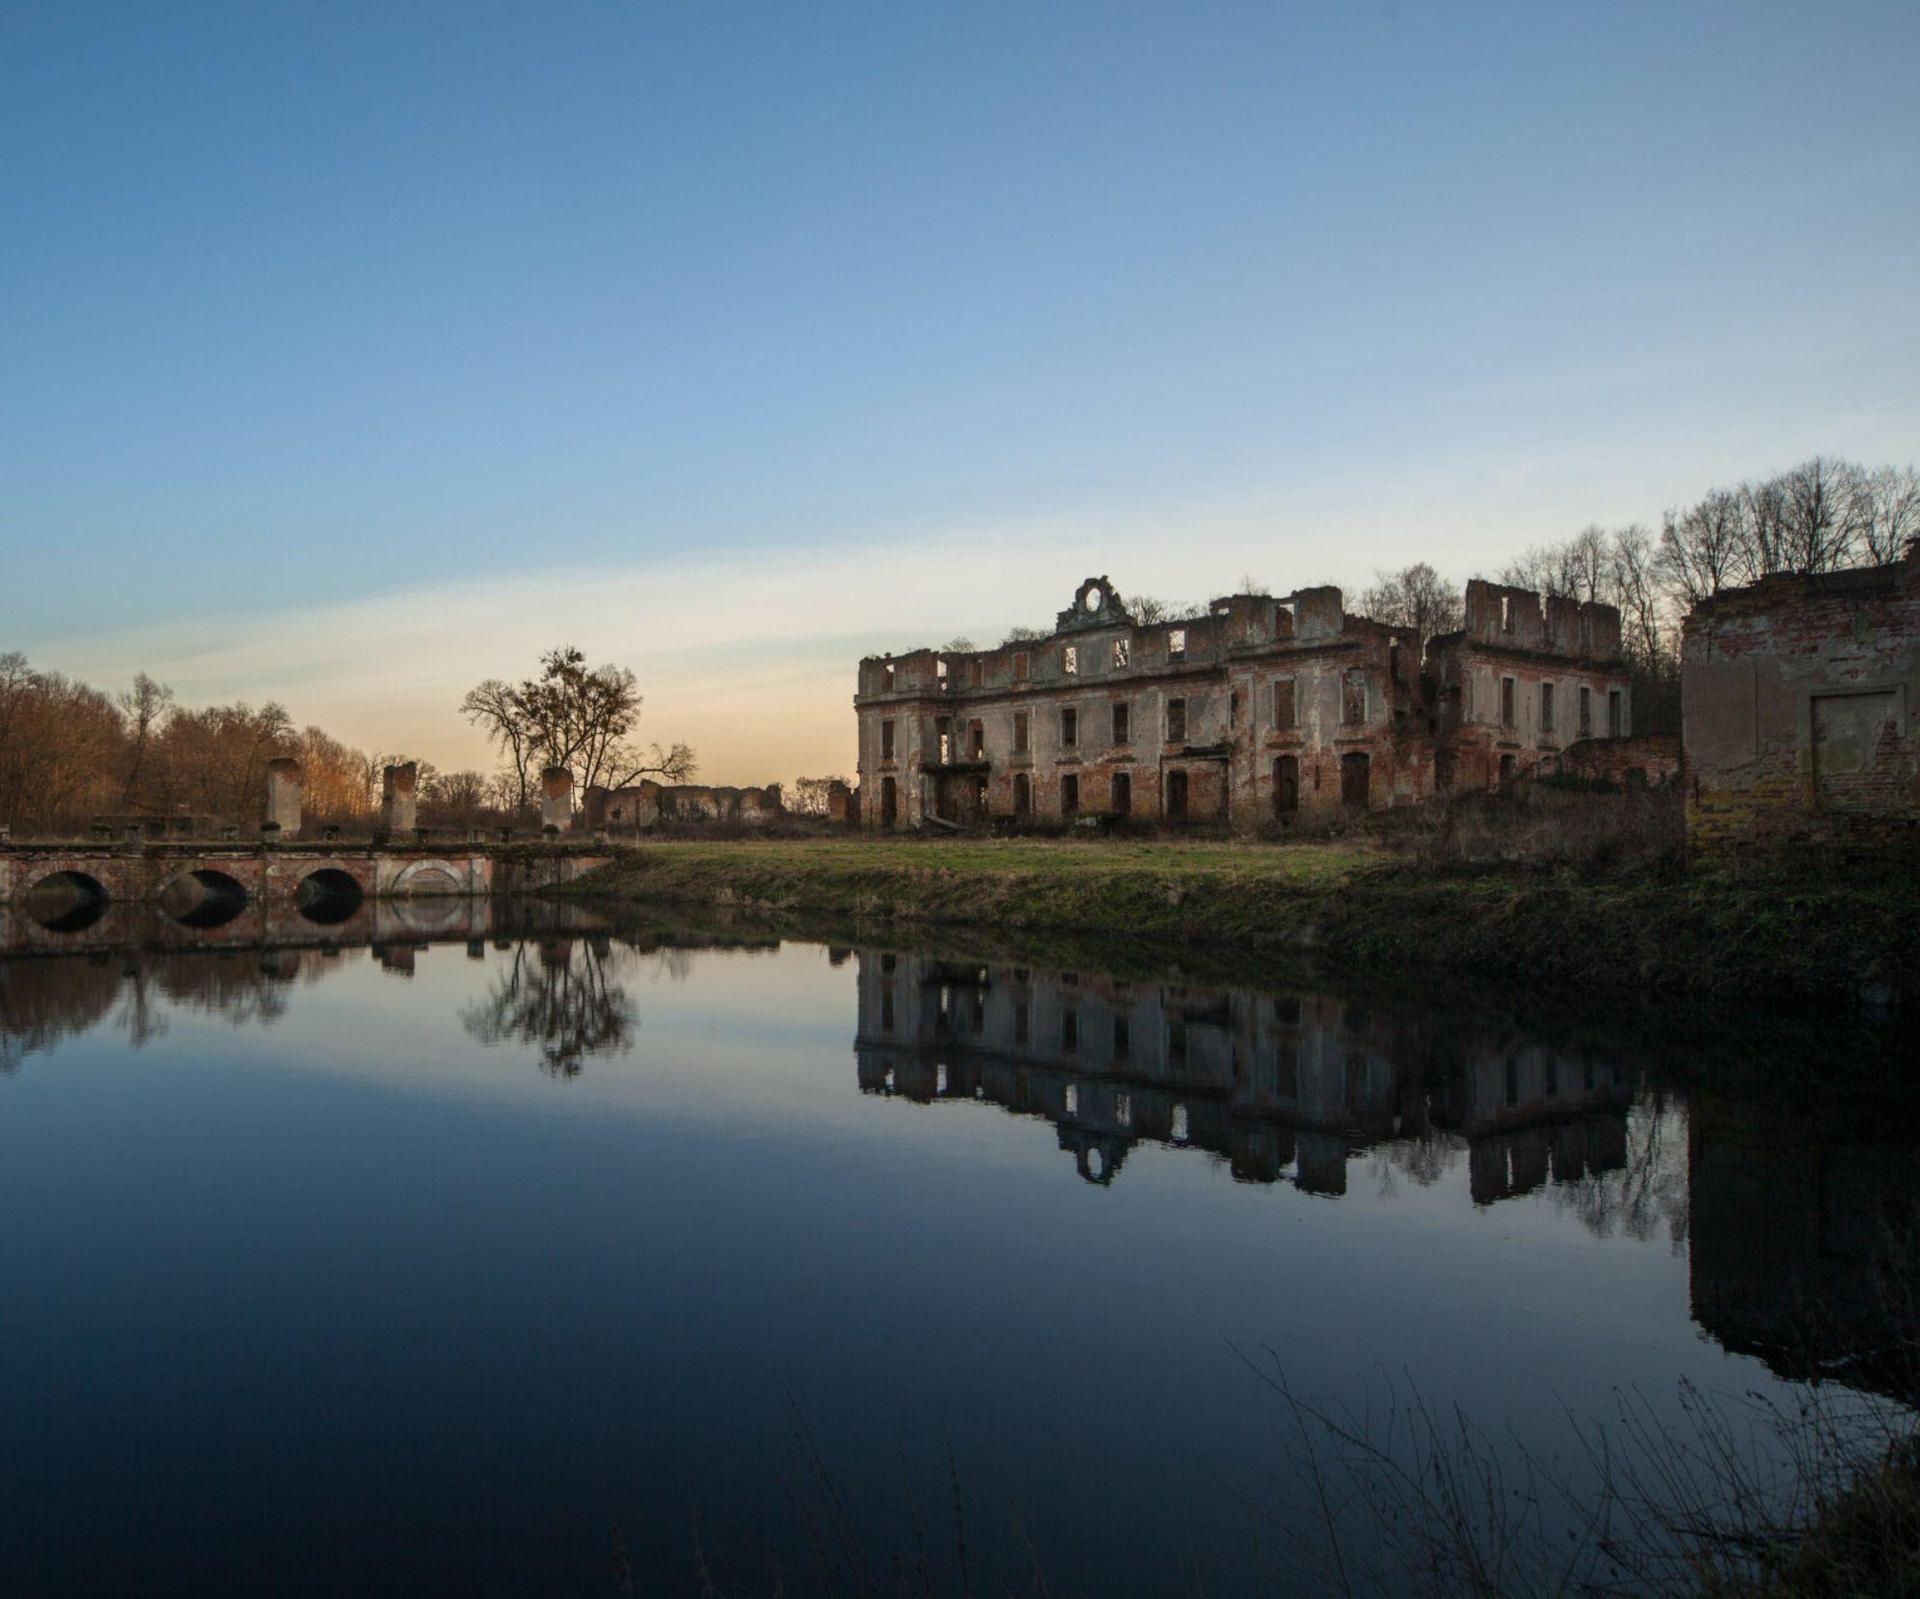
<point>1785,937</point>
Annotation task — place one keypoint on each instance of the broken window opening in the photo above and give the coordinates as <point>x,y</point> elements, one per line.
<point>887,678</point>
<point>1586,710</point>
<point>886,741</point>
<point>940,672</point>
<point>1022,794</point>
<point>1546,707</point>
<point>1177,795</point>
<point>1285,706</point>
<point>1356,779</point>
<point>1506,613</point>
<point>886,1007</point>
<point>1070,1030</point>
<point>1506,702</point>
<point>1069,796</point>
<point>1122,652</point>
<point>1616,712</point>
<point>1019,666</point>
<point>1177,644</point>
<point>1122,1038</point>
<point>1020,725</point>
<point>977,740</point>
<point>1233,709</point>
<point>945,728</point>
<point>1353,705</point>
<point>1070,660</point>
<point>1070,728</point>
<point>1122,734</point>
<point>1176,721</point>
<point>1122,792</point>
<point>1393,660</point>
<point>1286,785</point>
<point>1073,1099</point>
<point>1123,1110</point>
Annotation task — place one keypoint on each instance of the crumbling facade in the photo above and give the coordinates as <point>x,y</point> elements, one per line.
<point>1523,682</point>
<point>1797,697</point>
<point>1262,710</point>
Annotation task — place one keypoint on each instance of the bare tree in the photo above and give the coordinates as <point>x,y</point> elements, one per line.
<point>1417,597</point>
<point>1889,513</point>
<point>1700,547</point>
<point>146,705</point>
<point>1820,514</point>
<point>575,716</point>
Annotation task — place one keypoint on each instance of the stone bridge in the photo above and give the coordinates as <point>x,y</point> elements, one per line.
<point>187,875</point>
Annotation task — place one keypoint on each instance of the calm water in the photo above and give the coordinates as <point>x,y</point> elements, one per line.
<point>446,1255</point>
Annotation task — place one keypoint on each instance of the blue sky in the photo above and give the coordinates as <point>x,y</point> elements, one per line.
<point>349,353</point>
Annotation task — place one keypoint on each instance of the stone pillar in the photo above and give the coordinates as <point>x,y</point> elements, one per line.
<point>556,799</point>
<point>284,781</point>
<point>399,804</point>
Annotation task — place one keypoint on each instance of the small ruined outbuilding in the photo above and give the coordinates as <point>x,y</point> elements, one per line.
<point>1263,710</point>
<point>1796,697</point>
<point>644,804</point>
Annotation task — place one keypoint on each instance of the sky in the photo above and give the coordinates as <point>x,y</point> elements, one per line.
<point>352,353</point>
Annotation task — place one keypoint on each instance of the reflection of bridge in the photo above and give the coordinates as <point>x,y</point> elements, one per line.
<point>205,884</point>
<point>1270,1083</point>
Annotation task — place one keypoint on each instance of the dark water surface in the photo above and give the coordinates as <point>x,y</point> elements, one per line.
<point>397,1265</point>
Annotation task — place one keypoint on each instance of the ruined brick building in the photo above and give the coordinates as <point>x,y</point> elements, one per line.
<point>1261,711</point>
<point>1797,695</point>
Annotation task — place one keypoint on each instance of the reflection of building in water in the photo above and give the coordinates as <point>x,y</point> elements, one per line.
<point>1806,1248</point>
<point>1270,1083</point>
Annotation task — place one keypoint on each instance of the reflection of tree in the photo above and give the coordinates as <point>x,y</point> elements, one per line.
<point>559,996</point>
<point>1645,1194</point>
<point>44,1001</point>
<point>1425,1158</point>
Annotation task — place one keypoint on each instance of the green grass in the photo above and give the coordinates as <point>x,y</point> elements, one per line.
<point>1738,938</point>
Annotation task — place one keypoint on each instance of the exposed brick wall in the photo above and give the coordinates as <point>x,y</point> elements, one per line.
<point>1797,708</point>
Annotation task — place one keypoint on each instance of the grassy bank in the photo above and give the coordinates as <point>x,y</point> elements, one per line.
<point>1731,938</point>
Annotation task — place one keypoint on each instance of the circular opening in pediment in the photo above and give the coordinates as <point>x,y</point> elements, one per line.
<point>1094,597</point>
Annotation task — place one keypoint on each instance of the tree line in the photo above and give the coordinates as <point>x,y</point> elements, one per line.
<point>70,752</point>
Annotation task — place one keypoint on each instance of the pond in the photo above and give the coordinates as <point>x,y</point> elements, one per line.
<point>502,1251</point>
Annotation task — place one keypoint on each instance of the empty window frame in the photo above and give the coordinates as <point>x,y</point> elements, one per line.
<point>1546,707</point>
<point>1506,702</point>
<point>1070,660</point>
<point>886,741</point>
<point>1122,718</point>
<point>1286,705</point>
<point>1070,1029</point>
<point>1019,666</point>
<point>1616,713</point>
<point>1070,728</point>
<point>1353,697</point>
<point>977,740</point>
<point>1176,721</point>
<point>1177,644</point>
<point>1070,796</point>
<point>1020,725</point>
<point>1586,710</point>
<point>1122,652</point>
<point>887,678</point>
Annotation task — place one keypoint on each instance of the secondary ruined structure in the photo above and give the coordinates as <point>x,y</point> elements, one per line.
<point>1797,721</point>
<point>1262,711</point>
<point>643,804</point>
<point>1522,683</point>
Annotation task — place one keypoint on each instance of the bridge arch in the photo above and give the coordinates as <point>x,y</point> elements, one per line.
<point>203,897</point>
<point>328,896</point>
<point>66,901</point>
